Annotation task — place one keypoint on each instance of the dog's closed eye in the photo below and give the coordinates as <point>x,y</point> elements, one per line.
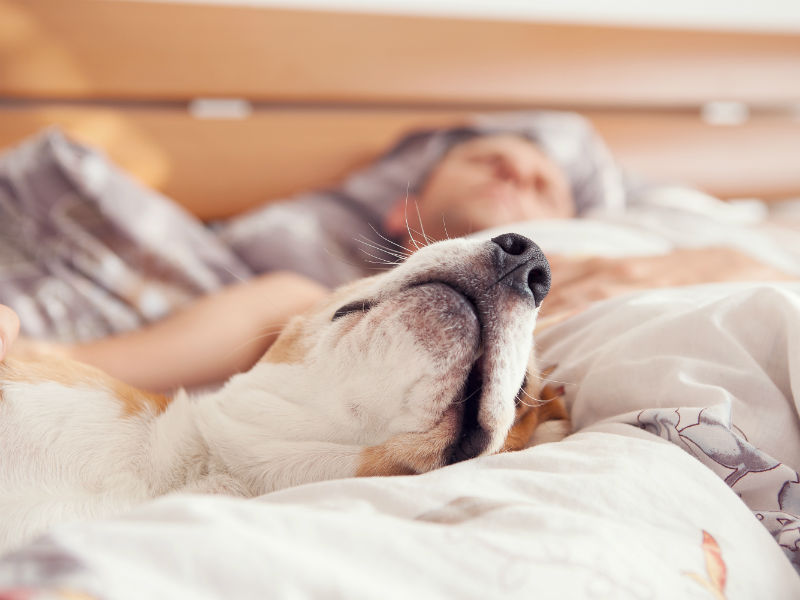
<point>357,306</point>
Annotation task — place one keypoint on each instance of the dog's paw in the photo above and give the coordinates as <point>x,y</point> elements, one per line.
<point>550,431</point>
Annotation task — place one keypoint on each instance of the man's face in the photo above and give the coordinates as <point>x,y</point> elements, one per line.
<point>491,181</point>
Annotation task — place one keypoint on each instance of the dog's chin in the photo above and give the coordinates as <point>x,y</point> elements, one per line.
<point>448,318</point>
<point>428,370</point>
<point>445,324</point>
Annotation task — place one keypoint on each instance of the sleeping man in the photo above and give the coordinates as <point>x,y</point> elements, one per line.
<point>476,179</point>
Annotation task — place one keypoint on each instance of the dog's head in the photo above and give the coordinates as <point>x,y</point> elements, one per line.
<point>422,365</point>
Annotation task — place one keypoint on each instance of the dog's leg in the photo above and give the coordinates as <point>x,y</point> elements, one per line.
<point>216,483</point>
<point>539,424</point>
<point>274,465</point>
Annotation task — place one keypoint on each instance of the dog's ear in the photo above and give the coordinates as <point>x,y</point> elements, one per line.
<point>538,404</point>
<point>292,344</point>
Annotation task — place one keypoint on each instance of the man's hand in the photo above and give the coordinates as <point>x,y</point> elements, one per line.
<point>9,328</point>
<point>580,281</point>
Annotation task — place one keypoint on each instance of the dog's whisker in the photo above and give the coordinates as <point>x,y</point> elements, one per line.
<point>402,248</point>
<point>405,214</point>
<point>376,244</point>
<point>428,240</point>
<point>383,259</point>
<point>469,396</point>
<point>536,401</point>
<point>550,380</point>
<point>523,403</point>
<point>398,253</point>
<point>447,235</point>
<point>378,259</point>
<point>360,267</point>
<point>537,405</point>
<point>341,258</point>
<point>381,262</point>
<point>416,231</point>
<point>422,226</point>
<point>380,248</point>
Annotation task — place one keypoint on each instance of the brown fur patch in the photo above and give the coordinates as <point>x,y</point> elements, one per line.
<point>70,373</point>
<point>528,420</point>
<point>528,417</point>
<point>410,453</point>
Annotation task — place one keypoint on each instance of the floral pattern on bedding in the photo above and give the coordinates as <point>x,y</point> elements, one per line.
<point>466,508</point>
<point>770,488</point>
<point>716,572</point>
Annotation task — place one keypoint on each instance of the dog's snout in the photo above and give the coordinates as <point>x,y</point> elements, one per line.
<point>523,265</point>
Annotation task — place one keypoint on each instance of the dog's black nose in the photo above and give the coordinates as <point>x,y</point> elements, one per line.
<point>523,266</point>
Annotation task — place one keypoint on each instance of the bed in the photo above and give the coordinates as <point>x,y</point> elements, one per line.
<point>681,478</point>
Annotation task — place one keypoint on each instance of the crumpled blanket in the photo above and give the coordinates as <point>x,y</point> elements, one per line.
<point>85,251</point>
<point>713,369</point>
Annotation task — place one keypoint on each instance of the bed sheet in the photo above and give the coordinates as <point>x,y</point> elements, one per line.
<point>612,514</point>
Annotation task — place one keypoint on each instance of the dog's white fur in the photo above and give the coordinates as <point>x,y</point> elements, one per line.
<point>378,391</point>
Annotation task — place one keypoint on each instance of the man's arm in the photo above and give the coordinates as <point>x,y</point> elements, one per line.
<point>209,340</point>
<point>579,281</point>
<point>9,328</point>
<point>204,343</point>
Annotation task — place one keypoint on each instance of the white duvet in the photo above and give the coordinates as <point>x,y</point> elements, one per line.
<point>681,481</point>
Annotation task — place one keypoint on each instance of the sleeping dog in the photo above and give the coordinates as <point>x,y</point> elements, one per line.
<point>425,365</point>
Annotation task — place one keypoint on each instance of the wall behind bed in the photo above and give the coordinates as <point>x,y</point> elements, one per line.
<point>222,107</point>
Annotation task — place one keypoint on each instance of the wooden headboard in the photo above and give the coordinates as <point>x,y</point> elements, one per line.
<point>301,97</point>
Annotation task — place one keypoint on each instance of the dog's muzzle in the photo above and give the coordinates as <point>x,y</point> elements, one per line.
<point>521,266</point>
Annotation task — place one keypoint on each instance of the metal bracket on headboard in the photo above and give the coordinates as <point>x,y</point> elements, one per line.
<point>220,108</point>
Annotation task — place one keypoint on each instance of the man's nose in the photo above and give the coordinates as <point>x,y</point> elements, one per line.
<point>510,178</point>
<point>523,266</point>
